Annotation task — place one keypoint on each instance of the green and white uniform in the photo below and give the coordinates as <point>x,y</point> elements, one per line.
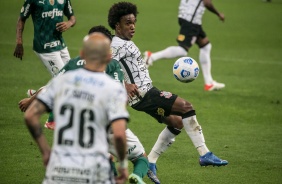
<point>48,43</point>
<point>113,68</point>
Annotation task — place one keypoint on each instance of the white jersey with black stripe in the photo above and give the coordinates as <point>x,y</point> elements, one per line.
<point>134,68</point>
<point>192,11</point>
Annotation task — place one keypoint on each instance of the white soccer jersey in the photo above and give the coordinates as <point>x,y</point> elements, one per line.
<point>192,11</point>
<point>84,104</point>
<point>133,66</point>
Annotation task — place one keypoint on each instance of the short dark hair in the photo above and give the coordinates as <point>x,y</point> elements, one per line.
<point>101,29</point>
<point>119,10</point>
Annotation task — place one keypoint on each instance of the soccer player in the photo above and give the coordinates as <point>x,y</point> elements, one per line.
<point>83,114</point>
<point>136,151</point>
<point>191,32</point>
<point>164,106</point>
<point>48,43</point>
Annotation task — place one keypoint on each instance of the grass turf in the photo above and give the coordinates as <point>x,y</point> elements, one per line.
<point>241,123</point>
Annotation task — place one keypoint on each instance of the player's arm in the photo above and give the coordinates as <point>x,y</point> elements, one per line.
<point>208,4</point>
<point>32,117</point>
<point>19,51</point>
<point>68,12</point>
<point>63,26</point>
<point>118,128</point>
<point>25,103</point>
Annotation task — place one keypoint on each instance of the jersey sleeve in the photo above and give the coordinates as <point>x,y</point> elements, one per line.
<point>116,105</point>
<point>114,70</point>
<point>46,95</point>
<point>68,11</point>
<point>27,8</point>
<point>118,53</point>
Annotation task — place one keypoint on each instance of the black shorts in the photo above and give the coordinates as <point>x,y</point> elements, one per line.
<point>189,33</point>
<point>156,103</point>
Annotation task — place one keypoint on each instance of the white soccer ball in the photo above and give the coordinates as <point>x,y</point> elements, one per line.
<point>186,69</point>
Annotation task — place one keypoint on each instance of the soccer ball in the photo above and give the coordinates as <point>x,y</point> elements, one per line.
<point>185,69</point>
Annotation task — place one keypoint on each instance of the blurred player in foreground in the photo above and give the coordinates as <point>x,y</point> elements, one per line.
<point>136,151</point>
<point>83,115</point>
<point>48,43</point>
<point>190,20</point>
<point>164,106</point>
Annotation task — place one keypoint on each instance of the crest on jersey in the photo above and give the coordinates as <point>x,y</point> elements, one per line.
<point>61,1</point>
<point>52,2</point>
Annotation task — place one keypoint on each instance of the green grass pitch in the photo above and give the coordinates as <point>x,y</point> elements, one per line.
<point>242,123</point>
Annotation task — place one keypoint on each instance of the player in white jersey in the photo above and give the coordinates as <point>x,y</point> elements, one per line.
<point>87,103</point>
<point>163,106</point>
<point>190,20</point>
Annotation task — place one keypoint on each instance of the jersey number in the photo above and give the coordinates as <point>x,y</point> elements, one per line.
<point>82,128</point>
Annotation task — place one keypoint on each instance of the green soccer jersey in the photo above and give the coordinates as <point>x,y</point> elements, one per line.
<point>45,15</point>
<point>113,68</point>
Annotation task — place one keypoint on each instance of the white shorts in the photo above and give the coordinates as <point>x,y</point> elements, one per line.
<point>78,169</point>
<point>134,147</point>
<point>54,61</point>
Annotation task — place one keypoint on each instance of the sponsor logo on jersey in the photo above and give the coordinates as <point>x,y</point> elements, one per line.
<point>52,44</point>
<point>161,111</point>
<point>55,13</point>
<point>61,1</point>
<point>26,9</point>
<point>41,2</point>
<point>70,8</point>
<point>166,94</point>
<point>80,62</point>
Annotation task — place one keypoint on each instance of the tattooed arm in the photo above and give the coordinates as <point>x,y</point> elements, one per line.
<point>19,51</point>
<point>32,117</point>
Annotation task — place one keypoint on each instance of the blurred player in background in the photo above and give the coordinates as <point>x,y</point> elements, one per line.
<point>83,115</point>
<point>136,151</point>
<point>190,20</point>
<point>48,43</point>
<point>164,106</point>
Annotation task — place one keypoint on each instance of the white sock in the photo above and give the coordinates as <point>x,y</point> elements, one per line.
<point>194,131</point>
<point>170,52</point>
<point>205,61</point>
<point>165,139</point>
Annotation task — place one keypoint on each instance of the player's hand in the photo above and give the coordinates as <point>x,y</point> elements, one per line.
<point>19,51</point>
<point>221,17</point>
<point>45,157</point>
<point>24,104</point>
<point>63,26</point>
<point>131,89</point>
<point>123,175</point>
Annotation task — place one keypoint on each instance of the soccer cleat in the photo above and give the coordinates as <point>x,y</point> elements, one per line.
<point>153,168</point>
<point>135,179</point>
<point>50,125</point>
<point>148,59</point>
<point>30,92</point>
<point>153,177</point>
<point>214,86</point>
<point>210,159</point>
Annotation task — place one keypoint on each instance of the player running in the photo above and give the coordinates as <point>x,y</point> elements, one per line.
<point>48,43</point>
<point>190,20</point>
<point>83,114</point>
<point>164,106</point>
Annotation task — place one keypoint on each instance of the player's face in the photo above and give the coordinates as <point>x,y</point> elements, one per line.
<point>125,29</point>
